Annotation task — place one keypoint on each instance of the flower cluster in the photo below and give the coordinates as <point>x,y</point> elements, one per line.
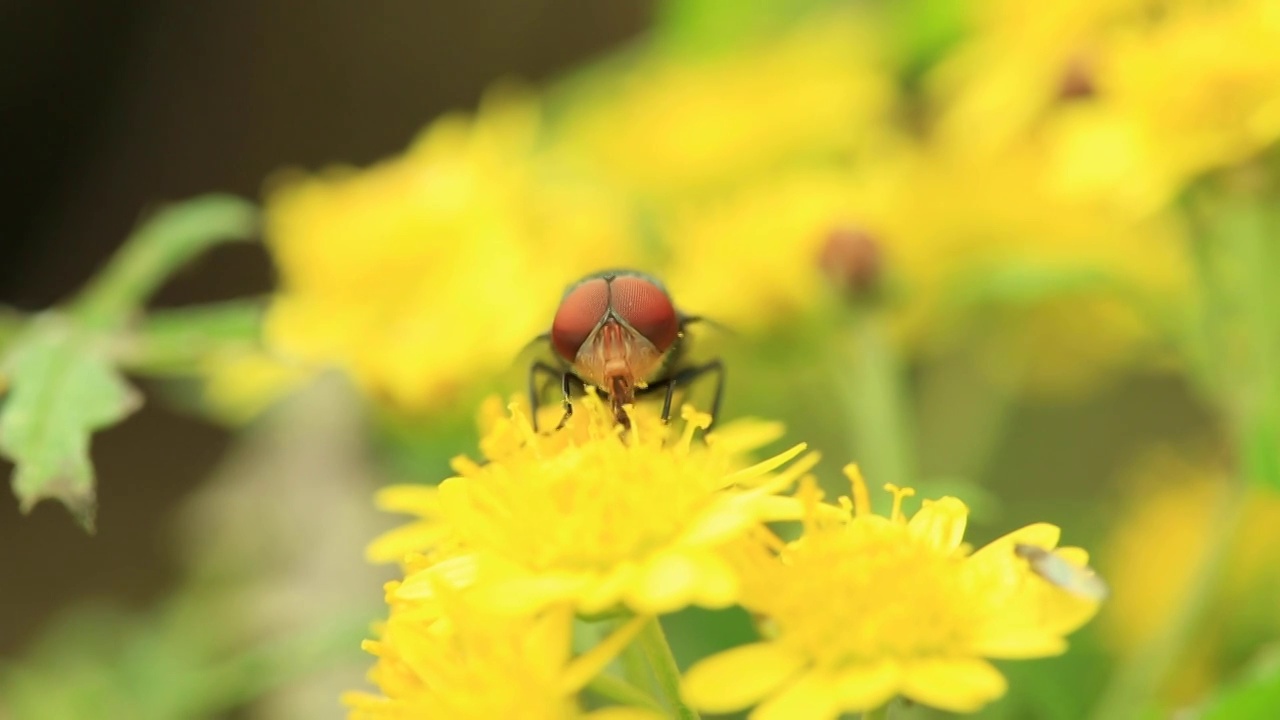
<point>1031,165</point>
<point>596,521</point>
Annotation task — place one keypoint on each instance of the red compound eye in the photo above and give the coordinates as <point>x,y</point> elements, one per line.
<point>582,308</point>
<point>646,307</point>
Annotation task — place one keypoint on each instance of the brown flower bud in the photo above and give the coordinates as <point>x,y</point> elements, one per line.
<point>1077,81</point>
<point>851,258</point>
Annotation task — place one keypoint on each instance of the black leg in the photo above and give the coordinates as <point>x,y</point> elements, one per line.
<point>686,377</point>
<point>539,367</point>
<point>566,387</point>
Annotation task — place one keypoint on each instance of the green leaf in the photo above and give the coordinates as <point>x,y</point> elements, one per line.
<point>61,388</point>
<point>1256,694</point>
<point>178,341</point>
<point>719,25</point>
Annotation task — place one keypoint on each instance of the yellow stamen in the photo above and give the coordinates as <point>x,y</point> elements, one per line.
<point>766,466</point>
<point>898,494</point>
<point>523,424</point>
<point>693,421</point>
<point>861,498</point>
<point>809,495</point>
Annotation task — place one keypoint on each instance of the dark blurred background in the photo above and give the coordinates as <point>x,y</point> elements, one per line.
<point>108,108</point>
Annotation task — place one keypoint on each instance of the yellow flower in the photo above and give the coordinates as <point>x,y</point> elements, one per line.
<point>593,516</point>
<point>676,125</point>
<point>1168,89</point>
<point>1175,498</point>
<point>428,272</point>
<point>862,608</point>
<point>1077,285</point>
<point>1190,93</point>
<point>749,258</point>
<point>1016,65</point>
<point>454,661</point>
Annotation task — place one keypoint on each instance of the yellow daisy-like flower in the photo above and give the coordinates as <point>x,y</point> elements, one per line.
<point>429,271</point>
<point>948,250</point>
<point>863,608</point>
<point>1189,93</point>
<point>1167,90</point>
<point>452,660</point>
<point>593,516</point>
<point>675,125</point>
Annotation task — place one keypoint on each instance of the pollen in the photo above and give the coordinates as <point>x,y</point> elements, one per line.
<point>599,516</point>
<point>864,607</point>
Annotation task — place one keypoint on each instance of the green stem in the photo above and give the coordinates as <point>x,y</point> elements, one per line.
<point>870,376</point>
<point>880,713</point>
<point>1139,679</point>
<point>170,239</point>
<point>653,642</point>
<point>620,691</point>
<point>175,342</point>
<point>635,668</point>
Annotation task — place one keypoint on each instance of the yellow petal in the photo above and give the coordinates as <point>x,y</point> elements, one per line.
<point>745,435</point>
<point>394,545</point>
<point>1020,643</point>
<point>812,697</point>
<point>667,582</point>
<point>1039,534</point>
<point>458,572</point>
<point>957,685</point>
<point>605,592</point>
<point>409,499</point>
<point>867,687</point>
<point>527,594</point>
<point>941,523</point>
<point>717,585</point>
<point>738,678</point>
<point>725,523</point>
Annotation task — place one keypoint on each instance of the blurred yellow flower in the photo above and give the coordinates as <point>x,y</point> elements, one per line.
<point>863,608</point>
<point>750,258</point>
<point>593,516</point>
<point>1132,99</point>
<point>1079,289</point>
<point>1175,497</point>
<point>1191,92</point>
<point>453,660</point>
<point>428,272</point>
<point>677,125</point>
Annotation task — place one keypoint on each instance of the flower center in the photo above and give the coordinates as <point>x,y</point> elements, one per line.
<point>898,596</point>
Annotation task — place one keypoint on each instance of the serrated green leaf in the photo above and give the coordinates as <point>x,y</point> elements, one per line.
<point>61,389</point>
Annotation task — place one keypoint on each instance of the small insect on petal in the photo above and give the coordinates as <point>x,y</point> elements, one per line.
<point>1080,581</point>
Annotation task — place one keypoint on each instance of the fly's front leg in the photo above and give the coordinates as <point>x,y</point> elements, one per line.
<point>536,369</point>
<point>566,387</point>
<point>686,377</point>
